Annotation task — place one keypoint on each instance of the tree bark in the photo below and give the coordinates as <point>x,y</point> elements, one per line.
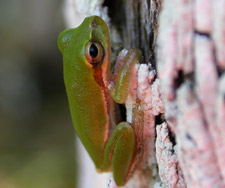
<point>181,85</point>
<point>191,69</point>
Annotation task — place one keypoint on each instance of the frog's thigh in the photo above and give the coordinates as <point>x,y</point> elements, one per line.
<point>122,144</point>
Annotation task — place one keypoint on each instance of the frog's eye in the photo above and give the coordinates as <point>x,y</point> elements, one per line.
<point>94,52</point>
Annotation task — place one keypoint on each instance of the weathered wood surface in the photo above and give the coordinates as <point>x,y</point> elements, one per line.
<point>183,43</point>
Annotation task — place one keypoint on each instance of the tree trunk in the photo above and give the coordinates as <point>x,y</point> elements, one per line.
<point>191,63</point>
<point>183,44</point>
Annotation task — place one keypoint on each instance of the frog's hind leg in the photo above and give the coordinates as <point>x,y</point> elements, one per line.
<point>119,152</point>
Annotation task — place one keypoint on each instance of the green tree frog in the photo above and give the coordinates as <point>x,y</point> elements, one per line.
<point>93,92</point>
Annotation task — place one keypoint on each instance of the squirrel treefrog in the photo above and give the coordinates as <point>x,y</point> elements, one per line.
<point>93,92</point>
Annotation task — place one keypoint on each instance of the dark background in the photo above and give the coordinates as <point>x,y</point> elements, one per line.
<point>37,144</point>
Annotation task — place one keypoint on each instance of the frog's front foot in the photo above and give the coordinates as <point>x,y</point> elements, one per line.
<point>123,73</point>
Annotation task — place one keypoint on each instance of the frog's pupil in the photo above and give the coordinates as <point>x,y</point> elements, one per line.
<point>93,51</point>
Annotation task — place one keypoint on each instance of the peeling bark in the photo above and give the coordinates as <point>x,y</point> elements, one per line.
<point>166,154</point>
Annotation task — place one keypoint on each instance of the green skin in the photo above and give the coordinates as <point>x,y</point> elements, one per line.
<point>92,90</point>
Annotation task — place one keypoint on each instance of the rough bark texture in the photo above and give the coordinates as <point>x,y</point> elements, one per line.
<point>191,68</point>
<point>183,43</point>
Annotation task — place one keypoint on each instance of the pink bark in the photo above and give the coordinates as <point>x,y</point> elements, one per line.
<point>219,31</point>
<point>184,22</point>
<point>169,170</point>
<point>191,65</point>
<point>220,120</point>
<point>203,16</point>
<point>167,68</point>
<point>195,145</point>
<point>150,95</point>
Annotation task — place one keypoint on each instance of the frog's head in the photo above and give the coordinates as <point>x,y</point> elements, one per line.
<point>87,47</point>
<point>91,36</point>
